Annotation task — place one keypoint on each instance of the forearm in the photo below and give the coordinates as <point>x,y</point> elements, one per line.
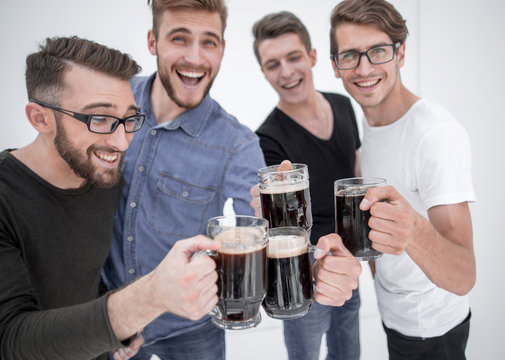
<point>131,308</point>
<point>449,264</point>
<point>77,332</point>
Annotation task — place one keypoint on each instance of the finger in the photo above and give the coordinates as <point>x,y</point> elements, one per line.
<point>381,193</point>
<point>185,248</point>
<point>330,243</point>
<point>285,165</point>
<point>255,191</point>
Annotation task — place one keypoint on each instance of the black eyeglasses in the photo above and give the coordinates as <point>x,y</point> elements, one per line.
<point>376,55</point>
<point>101,124</point>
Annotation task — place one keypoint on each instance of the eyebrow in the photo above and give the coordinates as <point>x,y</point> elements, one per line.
<point>93,106</point>
<point>186,31</point>
<point>368,48</point>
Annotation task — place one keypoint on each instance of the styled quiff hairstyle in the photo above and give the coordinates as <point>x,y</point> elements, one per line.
<point>276,24</point>
<point>45,69</point>
<point>378,13</point>
<point>160,6</point>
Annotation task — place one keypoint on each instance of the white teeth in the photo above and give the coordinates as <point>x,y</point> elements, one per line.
<point>109,158</point>
<point>368,83</point>
<point>191,74</point>
<point>292,84</point>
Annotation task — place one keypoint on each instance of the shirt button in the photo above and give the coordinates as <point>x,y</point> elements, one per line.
<point>141,168</point>
<point>185,193</point>
<point>131,271</point>
<point>133,204</point>
<point>153,132</point>
<point>130,238</point>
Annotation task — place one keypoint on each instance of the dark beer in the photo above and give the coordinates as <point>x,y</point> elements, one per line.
<point>351,223</point>
<point>287,205</point>
<point>241,269</point>
<point>289,290</point>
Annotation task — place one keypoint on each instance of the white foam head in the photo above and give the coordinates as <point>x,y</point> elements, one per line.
<point>241,240</point>
<point>284,246</point>
<point>284,187</point>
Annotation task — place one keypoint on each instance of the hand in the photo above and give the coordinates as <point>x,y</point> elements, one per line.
<point>130,351</point>
<point>185,286</point>
<point>255,190</point>
<point>336,275</point>
<point>392,221</point>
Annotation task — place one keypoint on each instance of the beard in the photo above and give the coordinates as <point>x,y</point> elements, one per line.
<point>167,84</point>
<point>81,164</point>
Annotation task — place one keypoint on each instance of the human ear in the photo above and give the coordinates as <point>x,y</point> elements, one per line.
<point>39,117</point>
<point>335,69</point>
<point>151,42</point>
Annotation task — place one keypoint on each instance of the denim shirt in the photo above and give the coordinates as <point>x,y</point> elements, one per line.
<point>177,175</point>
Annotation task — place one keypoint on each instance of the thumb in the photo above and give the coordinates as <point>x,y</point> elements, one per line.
<point>331,243</point>
<point>189,246</point>
<point>376,194</point>
<point>285,165</point>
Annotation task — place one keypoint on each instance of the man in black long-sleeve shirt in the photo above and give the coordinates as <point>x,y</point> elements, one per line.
<point>57,200</point>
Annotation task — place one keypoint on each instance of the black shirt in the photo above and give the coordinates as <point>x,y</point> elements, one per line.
<point>282,138</point>
<point>53,244</point>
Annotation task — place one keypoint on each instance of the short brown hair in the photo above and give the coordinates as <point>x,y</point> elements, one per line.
<point>160,6</point>
<point>378,13</point>
<point>277,24</point>
<point>45,68</point>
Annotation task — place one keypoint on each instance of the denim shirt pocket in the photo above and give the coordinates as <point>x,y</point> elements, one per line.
<point>179,207</point>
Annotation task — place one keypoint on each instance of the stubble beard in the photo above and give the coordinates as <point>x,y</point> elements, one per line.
<point>82,165</point>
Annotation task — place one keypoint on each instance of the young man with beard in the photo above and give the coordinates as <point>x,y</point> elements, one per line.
<point>58,196</point>
<point>309,127</point>
<point>421,222</point>
<point>181,167</point>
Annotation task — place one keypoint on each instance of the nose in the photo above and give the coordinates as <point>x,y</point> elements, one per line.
<point>286,69</point>
<point>119,139</point>
<point>365,67</point>
<point>193,54</point>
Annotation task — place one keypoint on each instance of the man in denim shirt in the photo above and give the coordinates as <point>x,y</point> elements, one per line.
<point>189,157</point>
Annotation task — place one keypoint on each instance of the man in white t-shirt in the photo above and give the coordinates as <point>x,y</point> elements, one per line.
<point>421,221</point>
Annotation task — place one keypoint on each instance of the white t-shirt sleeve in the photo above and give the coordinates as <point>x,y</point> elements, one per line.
<point>443,166</point>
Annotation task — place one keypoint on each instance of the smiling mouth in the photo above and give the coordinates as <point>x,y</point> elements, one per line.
<point>108,157</point>
<point>291,84</point>
<point>191,78</point>
<point>367,84</point>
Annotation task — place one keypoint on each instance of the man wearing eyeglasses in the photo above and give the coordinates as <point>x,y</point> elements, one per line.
<point>58,196</point>
<point>421,222</point>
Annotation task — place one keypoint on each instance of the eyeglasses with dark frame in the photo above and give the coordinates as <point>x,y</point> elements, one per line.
<point>100,124</point>
<point>376,55</point>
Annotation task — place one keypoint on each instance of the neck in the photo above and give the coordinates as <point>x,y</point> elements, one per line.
<point>164,108</point>
<point>394,106</point>
<point>42,158</point>
<point>314,114</point>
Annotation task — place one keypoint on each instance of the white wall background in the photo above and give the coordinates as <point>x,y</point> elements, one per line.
<point>455,54</point>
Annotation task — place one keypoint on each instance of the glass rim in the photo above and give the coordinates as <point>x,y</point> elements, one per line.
<point>295,167</point>
<point>363,181</point>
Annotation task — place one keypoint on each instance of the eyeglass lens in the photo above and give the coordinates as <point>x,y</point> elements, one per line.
<point>376,55</point>
<point>106,124</point>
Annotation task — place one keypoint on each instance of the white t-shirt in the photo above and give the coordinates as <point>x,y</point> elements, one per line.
<point>426,156</point>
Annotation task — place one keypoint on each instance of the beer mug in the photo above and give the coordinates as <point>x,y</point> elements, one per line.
<point>285,196</point>
<point>351,223</point>
<point>241,269</point>
<point>289,275</point>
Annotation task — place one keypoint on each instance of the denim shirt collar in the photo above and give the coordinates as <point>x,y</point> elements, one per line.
<point>191,121</point>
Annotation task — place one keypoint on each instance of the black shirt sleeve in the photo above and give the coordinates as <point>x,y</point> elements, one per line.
<point>75,332</point>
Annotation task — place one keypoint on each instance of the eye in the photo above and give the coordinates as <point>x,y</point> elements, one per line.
<point>348,56</point>
<point>210,43</point>
<point>295,58</point>
<point>272,66</point>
